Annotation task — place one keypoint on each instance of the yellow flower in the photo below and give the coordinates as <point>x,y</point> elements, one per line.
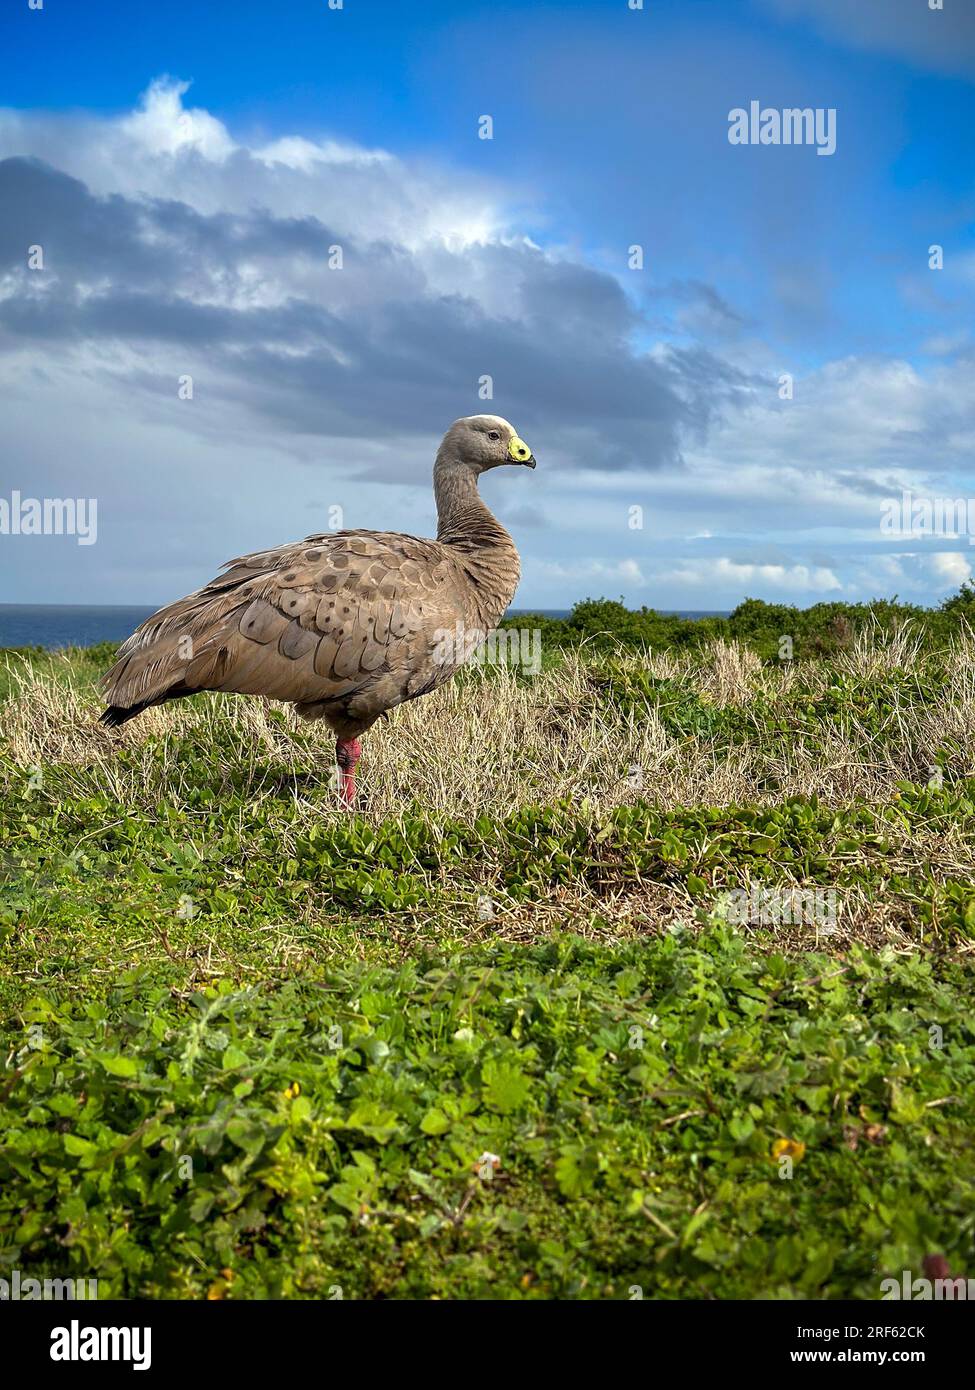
<point>792,1148</point>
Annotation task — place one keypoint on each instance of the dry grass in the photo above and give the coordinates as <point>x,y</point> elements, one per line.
<point>496,742</point>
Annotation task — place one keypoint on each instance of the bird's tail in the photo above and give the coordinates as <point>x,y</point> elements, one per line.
<point>116,715</point>
<point>183,648</point>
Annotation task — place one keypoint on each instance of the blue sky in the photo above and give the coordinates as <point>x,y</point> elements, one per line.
<point>187,225</point>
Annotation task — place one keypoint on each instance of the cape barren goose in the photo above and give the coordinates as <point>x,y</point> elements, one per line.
<point>344,625</point>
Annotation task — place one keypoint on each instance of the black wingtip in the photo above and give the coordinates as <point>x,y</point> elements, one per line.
<point>115,715</point>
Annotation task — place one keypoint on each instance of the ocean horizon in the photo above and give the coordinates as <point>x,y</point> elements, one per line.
<point>54,625</point>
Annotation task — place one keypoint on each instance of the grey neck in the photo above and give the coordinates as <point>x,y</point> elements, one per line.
<point>463,519</point>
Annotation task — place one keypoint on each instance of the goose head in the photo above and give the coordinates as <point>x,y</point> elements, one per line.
<point>479,442</point>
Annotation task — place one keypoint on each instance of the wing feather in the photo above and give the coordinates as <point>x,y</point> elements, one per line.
<point>343,617</point>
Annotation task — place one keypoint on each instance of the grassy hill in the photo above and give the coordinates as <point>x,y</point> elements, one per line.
<point>649,975</point>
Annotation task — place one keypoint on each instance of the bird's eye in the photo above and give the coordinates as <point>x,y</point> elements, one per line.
<point>493,434</point>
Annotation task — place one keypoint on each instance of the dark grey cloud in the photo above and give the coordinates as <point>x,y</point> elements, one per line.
<point>866,486</point>
<point>371,350</point>
<point>943,40</point>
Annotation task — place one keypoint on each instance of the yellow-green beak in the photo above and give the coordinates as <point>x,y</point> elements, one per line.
<point>519,452</point>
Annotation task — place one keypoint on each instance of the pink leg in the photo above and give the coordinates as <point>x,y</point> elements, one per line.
<point>348,751</point>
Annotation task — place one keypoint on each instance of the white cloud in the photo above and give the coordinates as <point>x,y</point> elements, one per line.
<point>857,431</point>
<point>163,126</point>
<point>723,572</point>
<point>627,572</point>
<point>296,152</point>
<point>951,567</point>
<point>165,149</point>
<point>946,344</point>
